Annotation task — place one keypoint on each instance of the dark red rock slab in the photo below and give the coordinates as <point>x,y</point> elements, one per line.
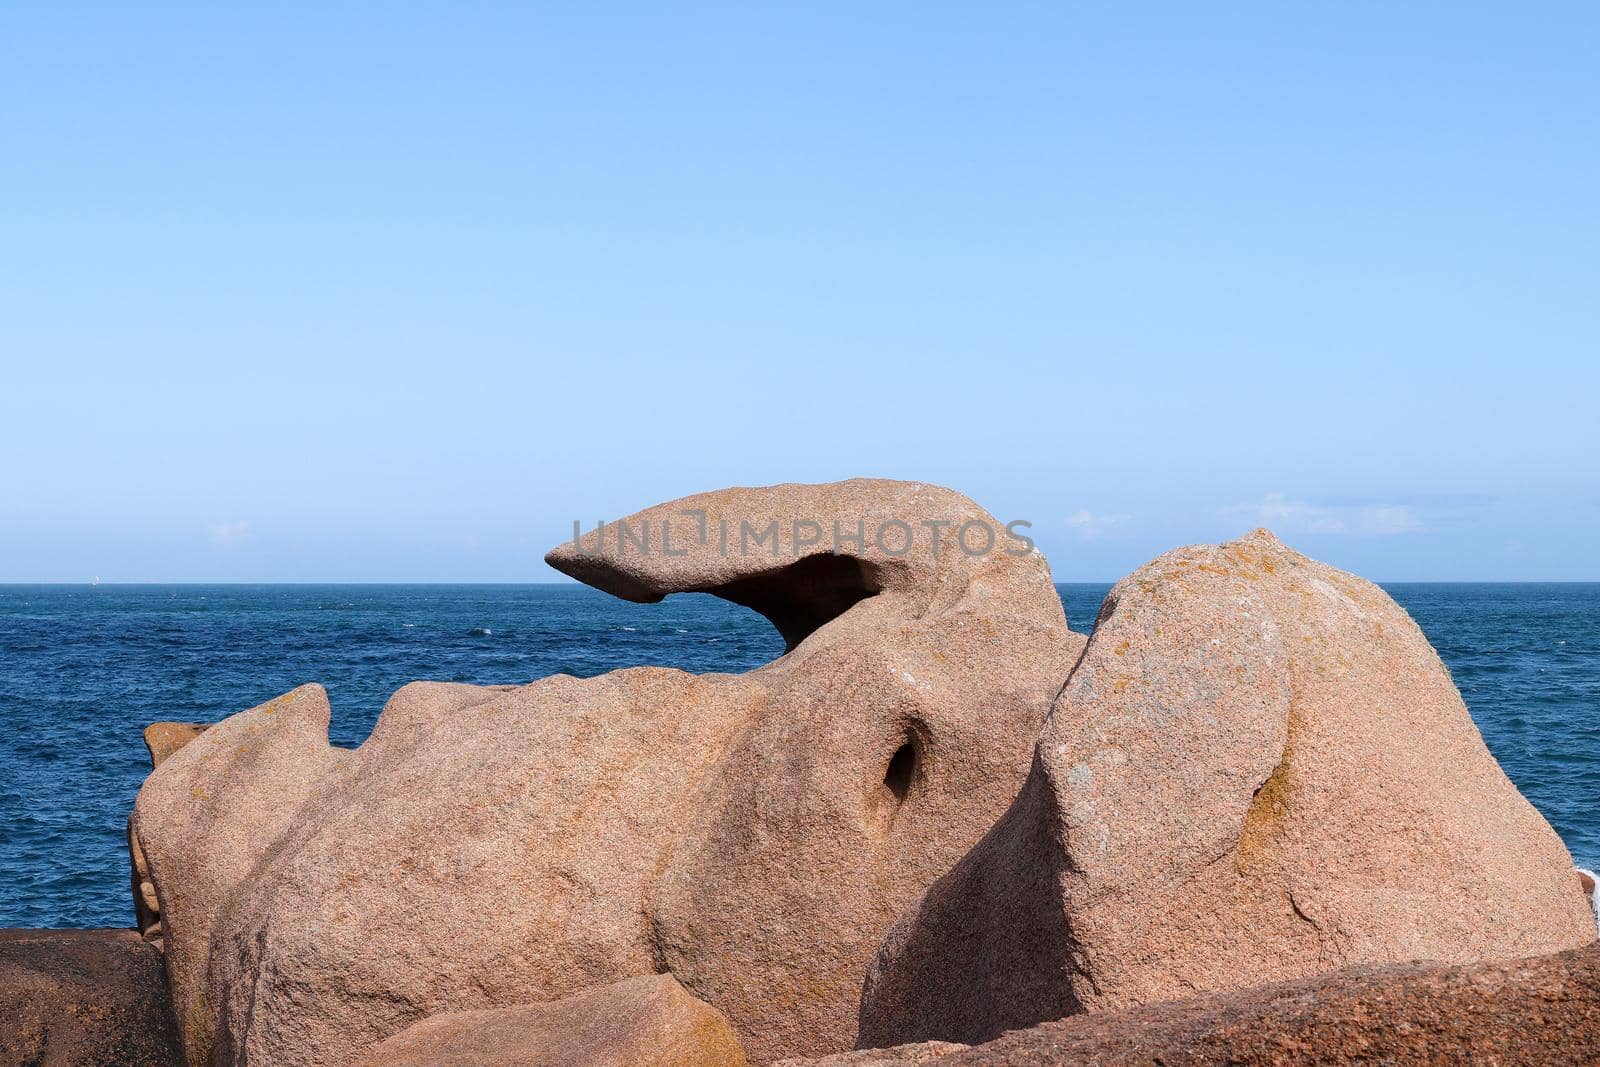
<point>83,998</point>
<point>1544,1010</point>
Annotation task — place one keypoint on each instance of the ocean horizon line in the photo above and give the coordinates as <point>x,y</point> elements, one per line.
<point>565,581</point>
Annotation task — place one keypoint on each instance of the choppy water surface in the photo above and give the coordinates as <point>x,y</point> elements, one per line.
<point>83,670</point>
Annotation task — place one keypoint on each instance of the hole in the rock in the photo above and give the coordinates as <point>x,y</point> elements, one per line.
<point>902,769</point>
<point>806,595</point>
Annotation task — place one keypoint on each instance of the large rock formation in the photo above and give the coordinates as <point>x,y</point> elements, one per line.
<point>1259,770</point>
<point>755,835</point>
<point>638,1022</point>
<point>83,998</point>
<point>1544,1010</point>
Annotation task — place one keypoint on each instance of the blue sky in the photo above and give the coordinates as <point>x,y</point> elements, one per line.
<point>366,291</point>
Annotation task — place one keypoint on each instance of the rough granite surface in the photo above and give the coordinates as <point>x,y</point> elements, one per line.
<point>83,998</point>
<point>639,1022</point>
<point>1260,770</point>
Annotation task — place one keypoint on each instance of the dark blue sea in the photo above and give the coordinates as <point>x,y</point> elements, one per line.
<point>84,669</point>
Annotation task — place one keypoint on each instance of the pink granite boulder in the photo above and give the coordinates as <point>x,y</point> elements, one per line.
<point>1260,770</point>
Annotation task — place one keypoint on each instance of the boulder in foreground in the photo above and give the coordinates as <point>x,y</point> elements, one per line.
<point>640,1022</point>
<point>83,998</point>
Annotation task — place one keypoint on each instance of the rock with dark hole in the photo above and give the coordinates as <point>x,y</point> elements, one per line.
<point>639,1022</point>
<point>83,998</point>
<point>1259,770</point>
<point>754,834</point>
<point>1544,1010</point>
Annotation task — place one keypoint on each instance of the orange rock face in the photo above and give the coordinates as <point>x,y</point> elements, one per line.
<point>162,739</point>
<point>638,1022</point>
<point>1259,770</point>
<point>755,835</point>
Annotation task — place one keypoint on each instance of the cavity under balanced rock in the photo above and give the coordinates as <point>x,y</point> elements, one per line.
<point>754,835</point>
<point>1260,770</point>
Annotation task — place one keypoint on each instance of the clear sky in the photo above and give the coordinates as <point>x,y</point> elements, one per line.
<point>399,290</point>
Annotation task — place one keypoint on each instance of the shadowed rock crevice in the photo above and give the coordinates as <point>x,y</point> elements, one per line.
<point>979,971</point>
<point>902,768</point>
<point>905,773</point>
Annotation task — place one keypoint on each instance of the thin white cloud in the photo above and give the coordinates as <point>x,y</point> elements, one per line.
<point>1389,520</point>
<point>1280,513</point>
<point>228,534</point>
<point>1285,516</point>
<point>1090,525</point>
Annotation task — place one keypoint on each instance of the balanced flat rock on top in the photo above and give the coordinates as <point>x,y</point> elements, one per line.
<point>638,1022</point>
<point>1259,770</point>
<point>755,835</point>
